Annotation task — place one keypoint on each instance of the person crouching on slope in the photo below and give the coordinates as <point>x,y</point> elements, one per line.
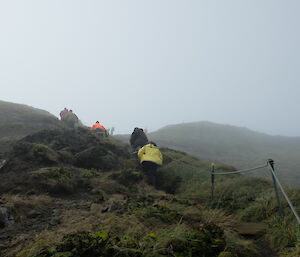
<point>150,158</point>
<point>98,127</point>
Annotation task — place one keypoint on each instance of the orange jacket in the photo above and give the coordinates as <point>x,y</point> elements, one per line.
<point>98,126</point>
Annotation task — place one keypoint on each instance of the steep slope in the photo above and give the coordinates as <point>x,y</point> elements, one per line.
<point>74,193</point>
<point>238,146</point>
<point>17,121</point>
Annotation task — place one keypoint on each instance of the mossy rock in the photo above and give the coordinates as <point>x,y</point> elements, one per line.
<point>43,154</point>
<point>59,173</point>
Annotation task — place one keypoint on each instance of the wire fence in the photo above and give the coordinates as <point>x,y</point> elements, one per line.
<point>270,165</point>
<point>241,171</point>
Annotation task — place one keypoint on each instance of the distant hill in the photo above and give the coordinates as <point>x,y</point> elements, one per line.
<point>18,120</point>
<point>237,146</point>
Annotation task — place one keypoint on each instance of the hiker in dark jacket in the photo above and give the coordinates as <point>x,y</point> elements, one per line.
<point>138,139</point>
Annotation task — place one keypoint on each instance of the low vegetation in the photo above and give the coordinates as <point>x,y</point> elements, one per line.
<point>63,208</point>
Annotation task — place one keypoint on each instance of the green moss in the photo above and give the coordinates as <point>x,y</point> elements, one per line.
<point>59,173</point>
<point>43,153</point>
<point>92,173</point>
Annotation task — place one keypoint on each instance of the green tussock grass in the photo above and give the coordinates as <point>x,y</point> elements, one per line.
<point>184,222</point>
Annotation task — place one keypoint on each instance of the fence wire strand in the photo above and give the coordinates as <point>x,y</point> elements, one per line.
<point>240,171</point>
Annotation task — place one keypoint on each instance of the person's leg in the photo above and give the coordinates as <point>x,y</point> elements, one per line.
<point>153,174</point>
<point>150,170</point>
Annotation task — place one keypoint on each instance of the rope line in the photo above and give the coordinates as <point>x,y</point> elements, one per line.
<point>257,168</point>
<point>276,182</point>
<point>240,171</point>
<point>285,195</point>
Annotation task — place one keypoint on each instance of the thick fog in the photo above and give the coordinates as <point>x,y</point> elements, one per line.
<point>152,63</point>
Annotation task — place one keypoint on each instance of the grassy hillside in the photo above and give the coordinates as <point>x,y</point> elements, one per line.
<point>240,147</point>
<point>68,193</point>
<point>17,121</point>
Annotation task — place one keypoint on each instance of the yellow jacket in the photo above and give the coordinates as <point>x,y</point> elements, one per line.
<point>150,153</point>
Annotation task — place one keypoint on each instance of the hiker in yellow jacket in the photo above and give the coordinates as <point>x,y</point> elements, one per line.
<point>150,158</point>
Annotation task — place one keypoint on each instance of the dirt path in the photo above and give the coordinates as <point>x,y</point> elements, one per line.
<point>255,232</point>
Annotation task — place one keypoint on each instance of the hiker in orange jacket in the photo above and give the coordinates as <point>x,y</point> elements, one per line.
<point>98,126</point>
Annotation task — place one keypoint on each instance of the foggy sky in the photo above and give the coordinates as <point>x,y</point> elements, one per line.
<point>151,63</point>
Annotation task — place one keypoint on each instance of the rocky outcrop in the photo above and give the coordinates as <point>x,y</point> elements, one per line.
<point>51,147</point>
<point>53,161</point>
